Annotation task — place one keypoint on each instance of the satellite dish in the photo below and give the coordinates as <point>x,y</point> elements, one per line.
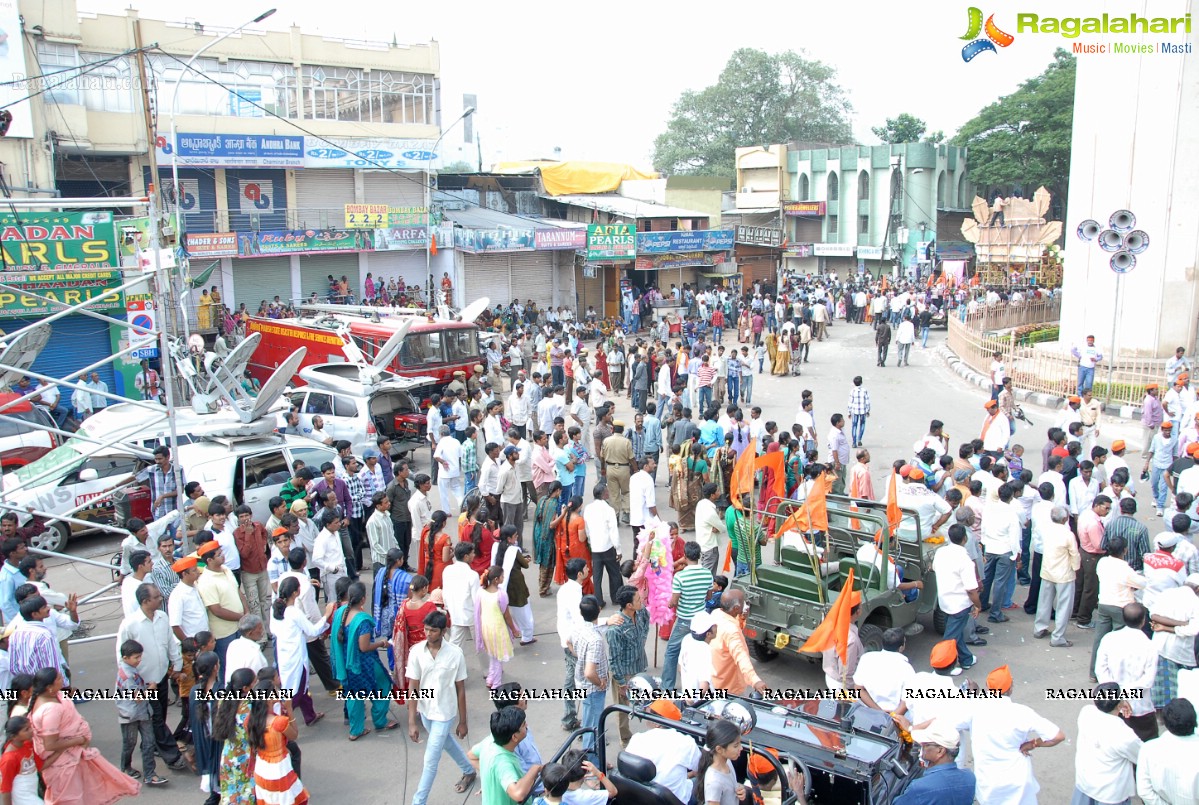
<point>389,350</point>
<point>273,387</point>
<point>352,352</point>
<point>21,350</point>
<point>224,378</point>
<point>238,359</point>
<point>474,309</point>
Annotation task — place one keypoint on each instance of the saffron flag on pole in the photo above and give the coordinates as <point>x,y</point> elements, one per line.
<point>894,515</point>
<point>833,631</point>
<point>742,481</point>
<point>813,514</point>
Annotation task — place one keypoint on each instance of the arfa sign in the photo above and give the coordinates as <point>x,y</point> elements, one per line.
<point>611,242</point>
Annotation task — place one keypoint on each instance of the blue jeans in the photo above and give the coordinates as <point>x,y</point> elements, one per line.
<point>747,389</point>
<point>440,739</point>
<point>923,337</point>
<point>996,575</point>
<point>471,482</point>
<point>673,647</point>
<point>577,487</point>
<point>1157,482</point>
<point>857,427</point>
<point>558,378</point>
<point>705,398</point>
<point>593,707</point>
<point>1025,550</point>
<point>718,334</point>
<point>955,629</point>
<point>1086,378</point>
<point>639,400</point>
<point>733,388</point>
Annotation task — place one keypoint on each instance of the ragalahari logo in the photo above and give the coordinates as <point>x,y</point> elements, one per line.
<point>993,37</point>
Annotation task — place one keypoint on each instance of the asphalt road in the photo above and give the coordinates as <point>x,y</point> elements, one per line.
<point>385,768</point>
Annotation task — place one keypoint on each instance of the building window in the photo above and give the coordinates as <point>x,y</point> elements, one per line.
<point>258,88</point>
<point>863,225</point>
<point>863,185</point>
<point>378,96</point>
<point>941,190</point>
<point>834,192</point>
<point>804,192</point>
<point>832,224</point>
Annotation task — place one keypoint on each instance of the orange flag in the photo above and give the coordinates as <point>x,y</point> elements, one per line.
<point>885,284</point>
<point>742,481</point>
<point>778,467</point>
<point>813,514</point>
<point>833,631</point>
<point>894,515</point>
<point>433,244</point>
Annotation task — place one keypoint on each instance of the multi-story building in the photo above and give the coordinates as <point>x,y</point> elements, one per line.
<point>277,132</point>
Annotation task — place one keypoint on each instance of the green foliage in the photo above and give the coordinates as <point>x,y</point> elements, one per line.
<point>461,166</point>
<point>1022,140</point>
<point>759,99</point>
<point>906,129</point>
<point>1039,335</point>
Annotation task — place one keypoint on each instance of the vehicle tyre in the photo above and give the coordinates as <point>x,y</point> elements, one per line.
<point>54,538</point>
<point>940,620</point>
<point>871,637</point>
<point>763,653</point>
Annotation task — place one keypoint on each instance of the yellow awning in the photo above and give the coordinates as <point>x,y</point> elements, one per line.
<point>565,178</point>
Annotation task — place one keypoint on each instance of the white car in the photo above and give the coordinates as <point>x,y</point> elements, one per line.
<point>359,411</point>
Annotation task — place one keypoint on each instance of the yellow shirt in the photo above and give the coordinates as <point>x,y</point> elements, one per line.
<point>220,587</point>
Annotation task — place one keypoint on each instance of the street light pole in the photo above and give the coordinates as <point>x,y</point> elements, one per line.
<point>175,112</point>
<point>429,304</point>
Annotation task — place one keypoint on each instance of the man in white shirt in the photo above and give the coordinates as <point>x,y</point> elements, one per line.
<point>570,595</point>
<point>460,590</point>
<point>99,389</point>
<point>709,525</point>
<point>1107,750</point>
<point>1001,547</point>
<point>448,457</point>
<point>551,407</point>
<point>996,430</point>
<point>81,399</point>
<point>599,520</point>
<point>1060,562</point>
<point>186,612</point>
<point>244,652</point>
<point>957,590</point>
<point>517,409</point>
<point>327,553</point>
<point>1053,476</point>
<point>1166,768</point>
<point>643,507</point>
<point>222,531</point>
<point>420,508</point>
<point>1175,616</point>
<point>1128,658</point>
<point>882,676</point>
<point>675,756</point>
<point>142,563</point>
<point>1083,488</point>
<point>664,389</point>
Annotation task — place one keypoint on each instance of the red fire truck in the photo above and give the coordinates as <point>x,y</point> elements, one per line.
<point>434,346</point>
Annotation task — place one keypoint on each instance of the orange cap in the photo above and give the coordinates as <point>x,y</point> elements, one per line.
<point>1167,425</point>
<point>990,405</point>
<point>278,532</point>
<point>905,471</point>
<point>667,709</point>
<point>916,474</point>
<point>1182,378</point>
<point>212,546</point>
<point>183,564</point>
<point>1118,445</point>
<point>944,654</point>
<point>1000,679</point>
<point>1073,399</point>
<point>1193,448</point>
<point>759,765</point>
<point>1149,386</point>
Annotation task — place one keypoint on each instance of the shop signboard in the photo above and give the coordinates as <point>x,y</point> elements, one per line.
<point>870,252</point>
<point>798,250</point>
<point>701,240</point>
<point>275,242</point>
<point>68,287</point>
<point>493,240</point>
<point>369,153</point>
<point>210,244</point>
<point>142,318</point>
<point>396,238</point>
<point>58,241</point>
<point>833,249</point>
<point>655,262</point>
<point>611,242</point>
<point>560,238</point>
<point>366,216</point>
<point>234,150</point>
<point>804,209</point>
<point>760,236</point>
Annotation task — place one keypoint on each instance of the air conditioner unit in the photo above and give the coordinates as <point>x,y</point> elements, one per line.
<point>745,190</point>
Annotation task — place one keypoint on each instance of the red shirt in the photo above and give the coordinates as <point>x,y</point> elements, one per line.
<point>12,761</point>
<point>717,318</point>
<point>252,546</point>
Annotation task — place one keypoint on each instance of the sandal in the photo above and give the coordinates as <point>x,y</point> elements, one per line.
<point>362,734</point>
<point>156,780</point>
<point>134,773</point>
<point>464,785</point>
<point>392,725</point>
<point>319,716</point>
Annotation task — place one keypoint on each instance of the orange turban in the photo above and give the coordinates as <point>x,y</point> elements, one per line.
<point>944,654</point>
<point>1118,445</point>
<point>183,564</point>
<point>759,765</point>
<point>916,474</point>
<point>212,546</point>
<point>666,709</point>
<point>990,405</point>
<point>1000,679</point>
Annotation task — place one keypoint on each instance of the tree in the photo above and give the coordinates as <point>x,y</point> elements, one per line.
<point>759,99</point>
<point>906,129</point>
<point>1022,140</point>
<point>460,166</point>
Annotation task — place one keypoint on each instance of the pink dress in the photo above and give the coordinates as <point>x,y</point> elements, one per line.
<point>80,775</point>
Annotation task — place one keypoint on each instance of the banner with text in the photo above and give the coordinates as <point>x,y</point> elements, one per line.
<point>804,209</point>
<point>611,242</point>
<point>560,238</point>
<point>493,240</point>
<point>301,241</point>
<point>58,241</point>
<point>702,240</point>
<point>395,238</point>
<point>376,152</point>
<point>760,236</point>
<point>68,287</point>
<point>211,244</point>
<point>654,262</point>
<point>234,150</point>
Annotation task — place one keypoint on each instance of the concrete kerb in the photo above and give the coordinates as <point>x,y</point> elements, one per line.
<point>1052,401</point>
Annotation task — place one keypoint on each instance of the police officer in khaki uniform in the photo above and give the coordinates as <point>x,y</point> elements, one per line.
<point>458,384</point>
<point>475,380</point>
<point>616,456</point>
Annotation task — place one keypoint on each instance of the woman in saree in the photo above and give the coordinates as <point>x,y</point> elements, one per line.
<point>207,668</point>
<point>570,540</point>
<point>601,364</point>
<point>74,771</point>
<point>229,726</point>
<point>793,448</point>
<point>479,532</point>
<point>495,628</point>
<point>435,550</point>
<point>547,511</point>
<point>356,662</point>
<point>390,590</point>
<point>724,458</point>
<point>772,348</point>
<point>276,780</point>
<point>204,310</point>
<point>687,482</point>
<point>410,619</point>
<point>743,321</point>
<point>781,364</point>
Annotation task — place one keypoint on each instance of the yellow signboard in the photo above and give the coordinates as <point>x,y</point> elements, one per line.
<point>366,216</point>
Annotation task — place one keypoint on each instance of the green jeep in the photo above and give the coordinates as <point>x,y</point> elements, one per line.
<point>789,598</point>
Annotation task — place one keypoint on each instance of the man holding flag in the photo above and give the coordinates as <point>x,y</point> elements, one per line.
<point>836,638</point>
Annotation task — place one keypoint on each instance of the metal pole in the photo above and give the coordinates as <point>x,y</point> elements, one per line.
<point>1111,359</point>
<point>103,202</point>
<point>68,310</point>
<point>6,418</point>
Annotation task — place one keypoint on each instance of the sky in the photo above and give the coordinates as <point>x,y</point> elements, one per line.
<point>598,80</point>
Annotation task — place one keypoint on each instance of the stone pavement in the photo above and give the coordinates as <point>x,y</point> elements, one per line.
<point>384,768</point>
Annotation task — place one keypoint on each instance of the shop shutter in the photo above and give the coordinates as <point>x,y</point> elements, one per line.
<point>316,268</point>
<point>259,278</point>
<point>590,291</point>
<point>200,187</point>
<point>487,275</point>
<point>532,277</point>
<point>75,342</point>
<point>394,189</point>
<point>257,199</point>
<point>408,264</point>
<point>321,196</point>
